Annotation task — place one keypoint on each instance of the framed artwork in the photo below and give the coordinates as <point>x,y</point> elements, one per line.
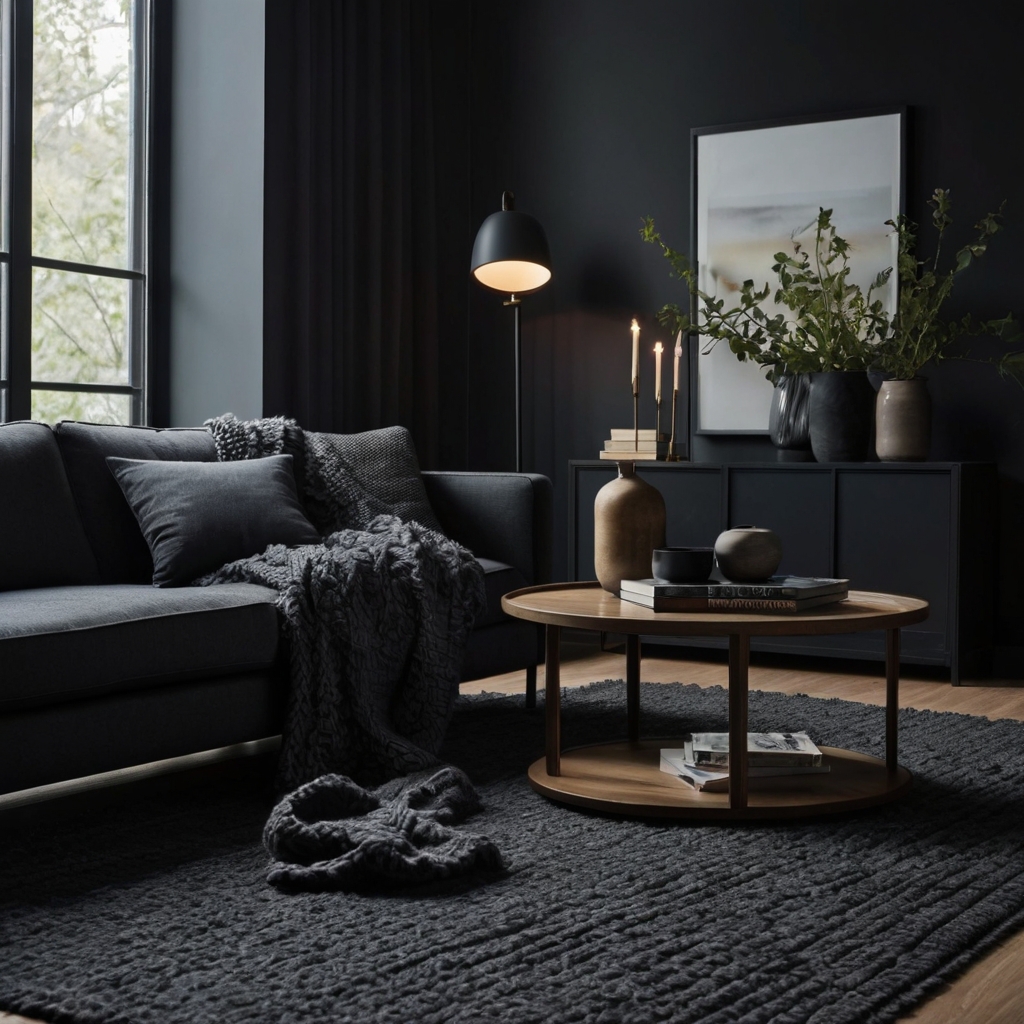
<point>758,187</point>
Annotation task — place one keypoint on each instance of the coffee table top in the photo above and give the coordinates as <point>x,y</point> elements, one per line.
<point>588,606</point>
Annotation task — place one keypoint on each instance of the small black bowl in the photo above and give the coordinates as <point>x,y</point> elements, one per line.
<point>682,565</point>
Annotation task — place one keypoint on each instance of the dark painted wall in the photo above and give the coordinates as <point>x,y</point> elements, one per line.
<point>584,109</point>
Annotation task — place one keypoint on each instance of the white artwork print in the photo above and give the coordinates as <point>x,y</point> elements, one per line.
<point>757,190</point>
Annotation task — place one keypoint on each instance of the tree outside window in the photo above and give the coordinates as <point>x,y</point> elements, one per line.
<point>86,207</point>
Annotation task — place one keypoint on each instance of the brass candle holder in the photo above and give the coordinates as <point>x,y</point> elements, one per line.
<point>673,455</point>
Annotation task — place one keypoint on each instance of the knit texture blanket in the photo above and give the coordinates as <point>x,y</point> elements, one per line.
<point>375,617</point>
<point>334,834</point>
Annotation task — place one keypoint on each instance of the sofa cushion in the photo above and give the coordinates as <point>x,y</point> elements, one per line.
<point>384,464</point>
<point>197,516</point>
<point>499,579</point>
<point>121,551</point>
<point>63,643</point>
<point>42,543</point>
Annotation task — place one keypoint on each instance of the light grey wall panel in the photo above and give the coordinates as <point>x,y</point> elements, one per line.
<point>217,210</point>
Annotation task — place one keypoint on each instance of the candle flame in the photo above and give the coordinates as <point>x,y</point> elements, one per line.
<point>634,326</point>
<point>658,347</point>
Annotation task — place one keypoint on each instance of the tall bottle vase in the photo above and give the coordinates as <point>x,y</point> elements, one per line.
<point>629,523</point>
<point>903,420</point>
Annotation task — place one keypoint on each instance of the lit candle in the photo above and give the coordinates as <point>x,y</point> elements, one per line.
<point>675,365</point>
<point>658,349</point>
<point>635,328</point>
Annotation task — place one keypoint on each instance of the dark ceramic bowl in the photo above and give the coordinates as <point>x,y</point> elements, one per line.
<point>682,565</point>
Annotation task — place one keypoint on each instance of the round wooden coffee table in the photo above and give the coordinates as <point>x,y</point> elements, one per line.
<point>625,778</point>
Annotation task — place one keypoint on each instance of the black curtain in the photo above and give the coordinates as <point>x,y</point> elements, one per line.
<point>353,295</point>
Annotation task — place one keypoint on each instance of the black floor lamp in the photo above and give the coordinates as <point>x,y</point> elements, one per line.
<point>511,255</point>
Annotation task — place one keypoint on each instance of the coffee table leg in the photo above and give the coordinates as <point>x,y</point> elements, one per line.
<point>633,686</point>
<point>739,663</point>
<point>552,700</point>
<point>892,696</point>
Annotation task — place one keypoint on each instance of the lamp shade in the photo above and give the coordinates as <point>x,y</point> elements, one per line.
<point>510,253</point>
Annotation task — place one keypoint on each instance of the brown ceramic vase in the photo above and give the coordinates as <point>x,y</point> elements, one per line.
<point>903,420</point>
<point>629,523</point>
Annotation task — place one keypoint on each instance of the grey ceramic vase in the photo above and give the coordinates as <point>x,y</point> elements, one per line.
<point>903,420</point>
<point>841,413</point>
<point>788,419</point>
<point>629,523</point>
<point>746,554</point>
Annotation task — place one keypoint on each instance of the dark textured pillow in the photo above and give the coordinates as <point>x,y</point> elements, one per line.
<point>196,516</point>
<point>383,462</point>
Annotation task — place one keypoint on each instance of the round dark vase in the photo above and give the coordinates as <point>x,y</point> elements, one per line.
<point>746,554</point>
<point>788,424</point>
<point>841,410</point>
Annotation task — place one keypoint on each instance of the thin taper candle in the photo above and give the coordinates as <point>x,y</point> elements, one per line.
<point>675,364</point>
<point>658,349</point>
<point>635,328</point>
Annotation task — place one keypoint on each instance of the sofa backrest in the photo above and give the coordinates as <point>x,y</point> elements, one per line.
<point>42,542</point>
<point>122,554</point>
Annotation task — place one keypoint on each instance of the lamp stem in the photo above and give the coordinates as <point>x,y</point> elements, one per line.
<point>519,385</point>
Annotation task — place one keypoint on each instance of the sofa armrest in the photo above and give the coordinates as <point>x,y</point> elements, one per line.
<point>503,516</point>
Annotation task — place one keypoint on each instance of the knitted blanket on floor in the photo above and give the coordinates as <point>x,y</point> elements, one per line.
<point>376,616</point>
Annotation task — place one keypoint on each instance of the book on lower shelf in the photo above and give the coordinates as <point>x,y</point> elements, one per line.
<point>680,762</point>
<point>764,749</point>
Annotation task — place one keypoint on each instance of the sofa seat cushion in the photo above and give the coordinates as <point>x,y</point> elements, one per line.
<point>499,579</point>
<point>65,643</point>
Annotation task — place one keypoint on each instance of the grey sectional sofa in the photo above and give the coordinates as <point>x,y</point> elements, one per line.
<point>100,670</point>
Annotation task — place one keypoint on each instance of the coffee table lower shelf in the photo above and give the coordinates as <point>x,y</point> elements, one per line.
<point>626,778</point>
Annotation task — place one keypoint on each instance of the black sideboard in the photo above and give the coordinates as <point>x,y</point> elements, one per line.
<point>926,529</point>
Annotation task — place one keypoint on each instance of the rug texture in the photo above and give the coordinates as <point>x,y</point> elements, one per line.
<point>159,910</point>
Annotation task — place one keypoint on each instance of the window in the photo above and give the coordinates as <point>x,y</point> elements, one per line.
<point>73,220</point>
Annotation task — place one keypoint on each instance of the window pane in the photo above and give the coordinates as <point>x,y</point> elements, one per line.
<point>82,131</point>
<point>51,406</point>
<point>79,328</point>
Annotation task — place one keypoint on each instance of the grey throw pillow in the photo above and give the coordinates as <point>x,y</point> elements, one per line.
<point>196,516</point>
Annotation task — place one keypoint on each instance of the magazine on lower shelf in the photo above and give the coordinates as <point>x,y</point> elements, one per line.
<point>764,749</point>
<point>678,762</point>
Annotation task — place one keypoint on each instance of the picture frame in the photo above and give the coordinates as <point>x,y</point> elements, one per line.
<point>754,187</point>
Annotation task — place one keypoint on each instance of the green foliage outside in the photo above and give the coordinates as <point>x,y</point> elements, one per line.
<point>81,166</point>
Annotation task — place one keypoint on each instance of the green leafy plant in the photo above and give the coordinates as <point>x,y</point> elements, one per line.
<point>832,324</point>
<point>918,333</point>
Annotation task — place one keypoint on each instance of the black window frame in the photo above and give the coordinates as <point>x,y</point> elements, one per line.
<point>17,385</point>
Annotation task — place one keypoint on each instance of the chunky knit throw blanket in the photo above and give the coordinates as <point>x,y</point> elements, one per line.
<point>376,616</point>
<point>334,834</point>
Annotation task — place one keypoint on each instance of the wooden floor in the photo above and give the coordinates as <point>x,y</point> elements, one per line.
<point>992,991</point>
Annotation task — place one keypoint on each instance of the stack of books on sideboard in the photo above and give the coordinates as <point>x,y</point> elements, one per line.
<point>775,594</point>
<point>627,445</point>
<point>703,760</point>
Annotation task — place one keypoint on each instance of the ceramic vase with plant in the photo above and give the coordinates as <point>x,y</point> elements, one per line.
<point>830,327</point>
<point>919,334</point>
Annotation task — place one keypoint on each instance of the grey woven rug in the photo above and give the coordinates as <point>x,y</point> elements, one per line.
<point>157,910</point>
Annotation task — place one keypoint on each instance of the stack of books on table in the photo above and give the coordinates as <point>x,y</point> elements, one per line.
<point>627,446</point>
<point>703,760</point>
<point>776,594</point>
